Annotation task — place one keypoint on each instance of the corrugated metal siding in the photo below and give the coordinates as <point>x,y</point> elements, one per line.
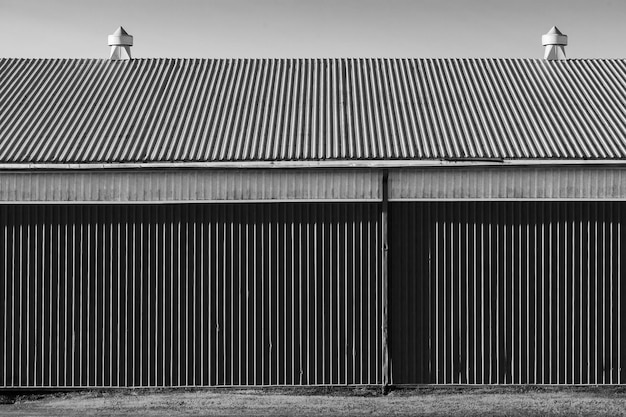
<point>239,185</point>
<point>509,183</point>
<point>181,295</point>
<point>189,185</point>
<point>80,110</point>
<point>518,292</point>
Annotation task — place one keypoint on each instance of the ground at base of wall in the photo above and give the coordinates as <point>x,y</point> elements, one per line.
<point>431,401</point>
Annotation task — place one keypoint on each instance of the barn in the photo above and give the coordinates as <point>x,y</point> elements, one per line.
<point>270,222</point>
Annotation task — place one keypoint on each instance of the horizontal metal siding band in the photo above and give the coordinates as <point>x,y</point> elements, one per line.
<point>507,183</point>
<point>520,292</point>
<point>190,185</point>
<point>190,295</point>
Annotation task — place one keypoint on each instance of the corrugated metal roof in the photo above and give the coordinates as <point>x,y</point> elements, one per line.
<point>162,110</point>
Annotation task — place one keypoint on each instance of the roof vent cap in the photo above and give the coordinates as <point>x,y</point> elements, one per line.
<point>554,42</point>
<point>120,42</point>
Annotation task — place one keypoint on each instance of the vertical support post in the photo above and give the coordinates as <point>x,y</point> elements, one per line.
<point>385,280</point>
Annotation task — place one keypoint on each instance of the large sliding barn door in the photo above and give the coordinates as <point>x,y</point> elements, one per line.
<point>508,292</point>
<point>193,294</point>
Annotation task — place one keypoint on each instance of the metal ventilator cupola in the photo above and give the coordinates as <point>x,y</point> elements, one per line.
<point>120,42</point>
<point>554,42</point>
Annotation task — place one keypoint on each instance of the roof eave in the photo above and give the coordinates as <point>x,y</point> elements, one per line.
<point>322,164</point>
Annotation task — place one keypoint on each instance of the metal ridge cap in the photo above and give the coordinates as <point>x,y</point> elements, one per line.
<point>418,163</point>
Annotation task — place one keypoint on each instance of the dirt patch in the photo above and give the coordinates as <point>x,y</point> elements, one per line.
<point>432,401</point>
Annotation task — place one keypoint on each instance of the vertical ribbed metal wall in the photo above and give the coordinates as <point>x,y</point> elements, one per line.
<point>289,293</point>
<point>409,293</point>
<point>179,295</point>
<point>508,293</point>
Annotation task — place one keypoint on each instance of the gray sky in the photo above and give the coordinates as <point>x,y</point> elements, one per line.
<point>312,28</point>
